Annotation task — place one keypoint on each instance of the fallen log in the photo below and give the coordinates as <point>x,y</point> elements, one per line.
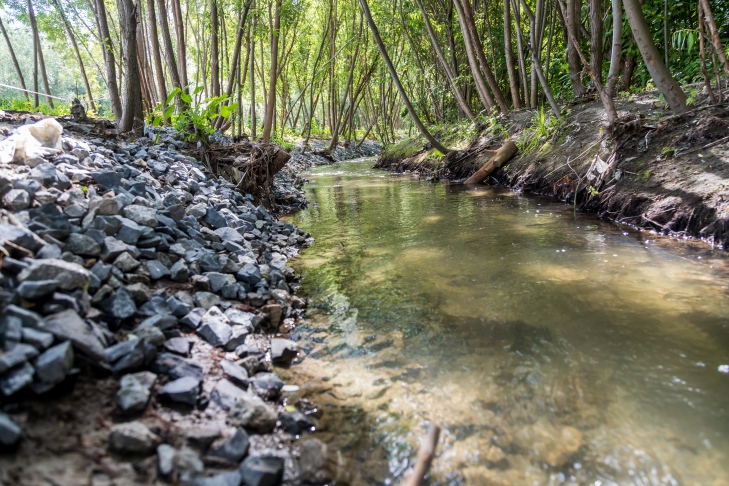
<point>425,456</point>
<point>500,157</point>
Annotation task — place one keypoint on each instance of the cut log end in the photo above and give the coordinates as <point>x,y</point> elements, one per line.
<point>500,158</point>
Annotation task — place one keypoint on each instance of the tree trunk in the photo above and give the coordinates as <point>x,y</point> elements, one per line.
<point>169,49</point>
<point>132,113</point>
<point>596,38</point>
<point>156,52</point>
<point>666,84</point>
<point>41,60</point>
<point>181,46</point>
<point>273,74</point>
<point>629,64</point>
<point>80,61</point>
<point>572,22</point>
<point>214,53</point>
<point>18,71</point>
<point>396,80</point>
<point>462,105</point>
<point>617,47</point>
<point>483,91</point>
<point>709,20</point>
<point>702,55</point>
<point>111,83</point>
<point>252,48</point>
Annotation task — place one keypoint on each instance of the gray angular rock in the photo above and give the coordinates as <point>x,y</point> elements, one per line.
<point>178,345</point>
<point>18,354</point>
<point>69,276</point>
<point>193,318</point>
<point>206,300</point>
<point>10,432</point>
<point>235,372</point>
<point>177,307</point>
<point>235,448</point>
<point>296,423</point>
<point>126,263</point>
<point>107,179</point>
<point>179,271</point>
<point>251,412</point>
<point>229,478</point>
<point>315,464</point>
<point>165,459</point>
<point>53,365</point>
<point>17,199</point>
<point>182,390</point>
<point>129,231</point>
<point>217,333</point>
<point>132,438</point>
<point>83,245</point>
<point>162,322</point>
<point>38,339</point>
<point>37,289</point>
<point>230,234</point>
<point>16,379</point>
<point>219,280</point>
<point>267,385</point>
<point>176,367</point>
<point>249,274</point>
<point>19,237</point>
<point>134,393</point>
<point>226,394</point>
<point>262,470</point>
<point>141,215</point>
<point>215,219</point>
<point>283,351</point>
<point>157,270</point>
<point>120,305</point>
<point>68,326</point>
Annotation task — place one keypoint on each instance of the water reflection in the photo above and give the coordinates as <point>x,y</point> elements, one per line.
<point>553,348</point>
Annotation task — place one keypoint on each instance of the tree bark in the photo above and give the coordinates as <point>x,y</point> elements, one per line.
<point>483,91</point>
<point>666,84</point>
<point>709,20</point>
<point>702,55</point>
<point>499,158</point>
<point>273,74</point>
<point>617,47</point>
<point>80,61</point>
<point>396,80</point>
<point>572,20</point>
<point>478,48</point>
<point>446,68</point>
<point>41,60</point>
<point>132,112</point>
<point>111,83</point>
<point>252,48</point>
<point>156,51</point>
<point>509,54</point>
<point>18,71</point>
<point>169,49</point>
<point>596,38</point>
<point>214,52</point>
<point>181,46</point>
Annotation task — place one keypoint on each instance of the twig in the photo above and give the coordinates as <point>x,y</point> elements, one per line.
<point>424,458</point>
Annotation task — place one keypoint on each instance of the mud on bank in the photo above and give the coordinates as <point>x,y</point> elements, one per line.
<point>655,170</point>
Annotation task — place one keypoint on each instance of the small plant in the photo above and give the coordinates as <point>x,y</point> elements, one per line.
<point>195,117</point>
<point>544,128</point>
<point>668,151</point>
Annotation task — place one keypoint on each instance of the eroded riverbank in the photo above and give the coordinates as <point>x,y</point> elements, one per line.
<point>552,347</point>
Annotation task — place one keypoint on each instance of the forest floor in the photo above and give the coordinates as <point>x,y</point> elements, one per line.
<point>654,170</point>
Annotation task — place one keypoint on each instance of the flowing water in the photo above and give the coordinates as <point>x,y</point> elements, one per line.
<point>552,348</point>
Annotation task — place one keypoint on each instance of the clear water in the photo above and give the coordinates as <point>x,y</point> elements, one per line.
<point>552,348</point>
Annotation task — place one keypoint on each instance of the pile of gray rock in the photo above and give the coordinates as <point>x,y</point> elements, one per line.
<point>118,259</point>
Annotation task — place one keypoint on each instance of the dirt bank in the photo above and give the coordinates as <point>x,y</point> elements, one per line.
<point>655,170</point>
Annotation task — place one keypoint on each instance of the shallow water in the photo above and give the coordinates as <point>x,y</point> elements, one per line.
<point>552,348</point>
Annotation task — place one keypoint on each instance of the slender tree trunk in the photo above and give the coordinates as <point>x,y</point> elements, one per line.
<point>169,49</point>
<point>41,60</point>
<point>252,48</point>
<point>709,20</point>
<point>629,64</point>
<point>617,47</point>
<point>483,91</point>
<point>509,54</point>
<point>462,104</point>
<point>478,48</point>
<point>156,51</point>
<point>396,79</point>
<point>111,83</point>
<point>18,71</point>
<point>702,55</point>
<point>596,38</point>
<point>132,112</point>
<point>666,84</point>
<point>80,61</point>
<point>181,46</point>
<point>520,50</point>
<point>214,52</point>
<point>572,22</point>
<point>36,89</point>
<point>273,75</point>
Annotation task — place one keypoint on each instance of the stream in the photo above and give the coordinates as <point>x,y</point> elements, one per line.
<point>552,347</point>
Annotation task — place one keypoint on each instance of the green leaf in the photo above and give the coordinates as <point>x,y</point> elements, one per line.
<point>169,111</point>
<point>691,40</point>
<point>172,95</point>
<point>186,98</point>
<point>198,90</point>
<point>225,111</point>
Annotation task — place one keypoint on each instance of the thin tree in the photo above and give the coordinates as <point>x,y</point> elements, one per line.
<point>481,88</point>
<point>132,113</point>
<point>666,84</point>
<point>39,51</point>
<point>509,54</point>
<point>709,21</point>
<point>273,74</point>
<point>396,79</point>
<point>18,71</point>
<point>156,51</point>
<point>169,49</point>
<point>108,49</point>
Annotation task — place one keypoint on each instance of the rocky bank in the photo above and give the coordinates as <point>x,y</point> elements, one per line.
<point>145,309</point>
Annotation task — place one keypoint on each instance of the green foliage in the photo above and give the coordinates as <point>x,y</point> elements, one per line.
<point>21,104</point>
<point>194,117</point>
<point>543,129</point>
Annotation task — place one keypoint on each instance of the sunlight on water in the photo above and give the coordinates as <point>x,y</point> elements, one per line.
<point>553,348</point>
